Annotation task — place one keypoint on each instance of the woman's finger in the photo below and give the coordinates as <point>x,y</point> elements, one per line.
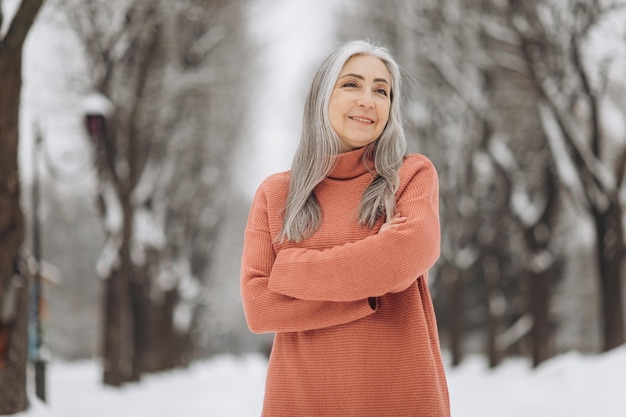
<point>396,220</point>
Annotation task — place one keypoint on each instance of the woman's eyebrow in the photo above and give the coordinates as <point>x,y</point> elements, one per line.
<point>360,77</point>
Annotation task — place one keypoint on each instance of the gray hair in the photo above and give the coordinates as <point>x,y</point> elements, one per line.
<point>319,142</point>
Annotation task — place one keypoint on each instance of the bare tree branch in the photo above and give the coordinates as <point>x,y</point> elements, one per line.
<point>20,24</point>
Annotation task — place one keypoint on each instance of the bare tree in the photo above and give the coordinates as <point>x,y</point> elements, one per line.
<point>13,277</point>
<point>574,92</point>
<point>169,70</point>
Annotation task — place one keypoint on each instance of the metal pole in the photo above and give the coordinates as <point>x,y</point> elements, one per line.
<point>40,364</point>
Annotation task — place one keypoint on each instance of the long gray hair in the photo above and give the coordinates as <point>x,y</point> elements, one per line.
<point>318,143</point>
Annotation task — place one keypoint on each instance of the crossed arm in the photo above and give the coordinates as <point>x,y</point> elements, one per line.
<point>297,289</point>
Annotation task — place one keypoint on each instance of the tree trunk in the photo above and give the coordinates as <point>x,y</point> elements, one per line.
<point>13,284</point>
<point>117,366</point>
<point>14,348</point>
<point>139,291</point>
<point>494,309</point>
<point>541,273</point>
<point>119,345</point>
<point>13,297</point>
<point>610,253</point>
<point>539,309</point>
<point>162,352</point>
<point>453,280</point>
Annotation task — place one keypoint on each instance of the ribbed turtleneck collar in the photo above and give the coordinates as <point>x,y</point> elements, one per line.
<point>350,164</point>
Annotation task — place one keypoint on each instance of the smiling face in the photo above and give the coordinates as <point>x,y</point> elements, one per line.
<point>359,104</point>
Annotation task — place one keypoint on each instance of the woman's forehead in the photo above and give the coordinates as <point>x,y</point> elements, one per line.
<point>367,65</point>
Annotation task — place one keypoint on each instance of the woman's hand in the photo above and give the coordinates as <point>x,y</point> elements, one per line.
<point>395,221</point>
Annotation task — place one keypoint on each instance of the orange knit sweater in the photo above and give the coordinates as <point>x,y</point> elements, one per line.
<point>333,353</point>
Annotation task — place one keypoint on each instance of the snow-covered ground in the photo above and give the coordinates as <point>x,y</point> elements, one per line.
<point>571,385</point>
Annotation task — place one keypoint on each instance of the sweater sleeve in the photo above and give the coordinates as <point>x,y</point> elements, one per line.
<point>267,311</point>
<point>381,263</point>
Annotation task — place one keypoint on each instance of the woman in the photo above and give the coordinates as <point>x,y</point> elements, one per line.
<point>337,252</point>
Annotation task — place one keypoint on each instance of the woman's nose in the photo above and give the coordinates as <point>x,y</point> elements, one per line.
<point>366,100</point>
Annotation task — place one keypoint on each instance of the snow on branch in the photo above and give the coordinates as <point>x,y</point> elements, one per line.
<point>145,187</point>
<point>147,233</point>
<point>568,124</point>
<point>181,84</point>
<point>565,167</point>
<point>179,276</point>
<point>190,292</point>
<point>96,103</point>
<point>527,210</point>
<point>499,32</point>
<point>514,333</point>
<point>502,154</point>
<point>109,258</point>
<point>113,216</point>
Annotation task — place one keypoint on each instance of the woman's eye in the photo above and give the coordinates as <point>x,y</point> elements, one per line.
<point>382,91</point>
<point>349,84</point>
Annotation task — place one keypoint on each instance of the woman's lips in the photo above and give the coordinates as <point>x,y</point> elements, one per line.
<point>361,119</point>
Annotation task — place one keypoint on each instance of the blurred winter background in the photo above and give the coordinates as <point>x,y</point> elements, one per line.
<point>158,119</point>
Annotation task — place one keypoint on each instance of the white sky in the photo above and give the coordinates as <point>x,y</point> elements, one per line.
<point>296,35</point>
